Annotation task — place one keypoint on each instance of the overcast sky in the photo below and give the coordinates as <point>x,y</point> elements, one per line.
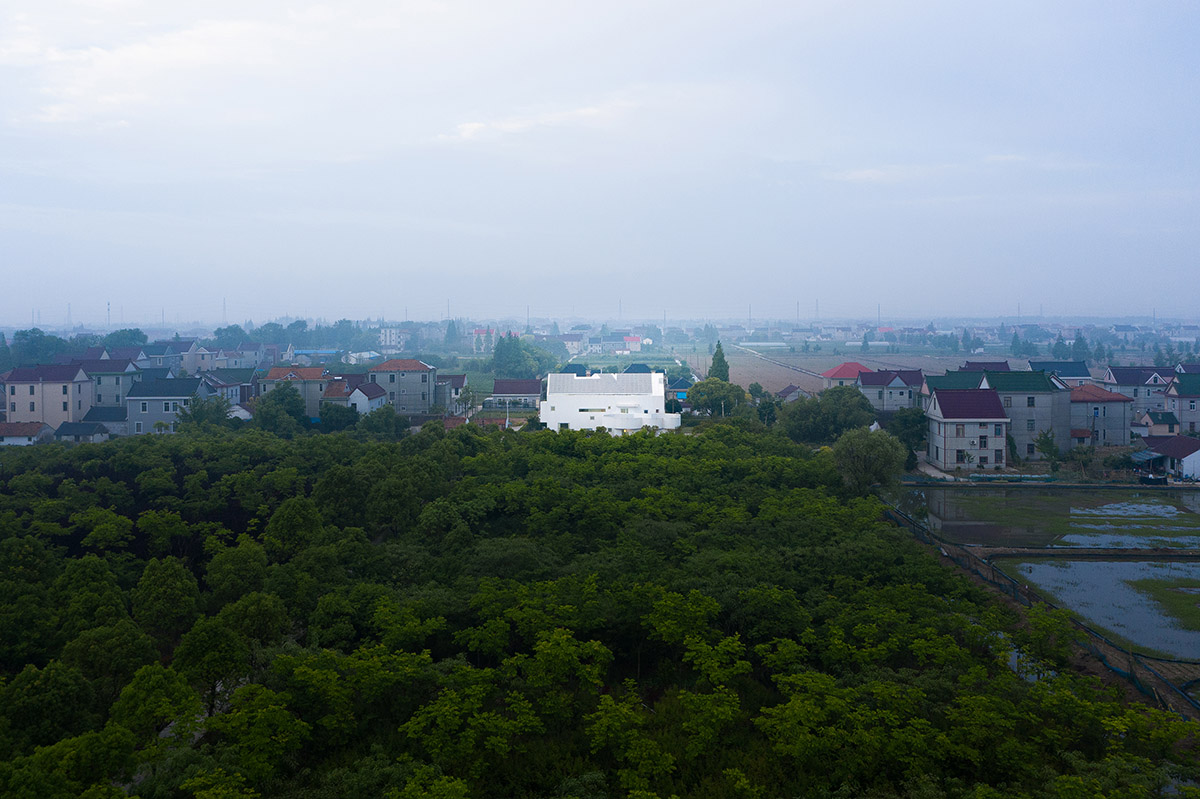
<point>369,156</point>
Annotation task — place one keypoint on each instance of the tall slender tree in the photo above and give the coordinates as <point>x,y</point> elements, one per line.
<point>720,366</point>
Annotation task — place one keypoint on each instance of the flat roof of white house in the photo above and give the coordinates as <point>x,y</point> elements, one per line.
<point>604,383</point>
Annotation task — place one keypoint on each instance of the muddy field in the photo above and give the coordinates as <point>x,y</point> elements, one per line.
<point>746,368</point>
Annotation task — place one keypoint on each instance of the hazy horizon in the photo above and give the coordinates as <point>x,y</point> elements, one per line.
<point>712,161</point>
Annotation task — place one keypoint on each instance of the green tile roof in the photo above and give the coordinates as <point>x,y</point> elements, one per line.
<point>1020,381</point>
<point>954,380</point>
<point>1187,385</point>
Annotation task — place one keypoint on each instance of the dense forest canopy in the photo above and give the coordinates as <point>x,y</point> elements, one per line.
<point>469,614</point>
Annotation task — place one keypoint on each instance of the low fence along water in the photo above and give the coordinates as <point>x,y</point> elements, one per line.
<point>1164,680</point>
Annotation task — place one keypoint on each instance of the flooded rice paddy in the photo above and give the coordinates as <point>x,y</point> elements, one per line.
<point>1107,595</point>
<point>1155,605</point>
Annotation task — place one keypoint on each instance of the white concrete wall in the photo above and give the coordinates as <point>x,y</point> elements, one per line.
<point>619,402</point>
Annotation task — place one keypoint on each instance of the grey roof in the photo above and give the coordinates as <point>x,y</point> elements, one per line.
<point>99,413</point>
<point>1061,368</point>
<point>177,387</point>
<point>79,429</point>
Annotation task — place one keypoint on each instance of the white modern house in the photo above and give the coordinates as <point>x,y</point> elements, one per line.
<point>621,403</point>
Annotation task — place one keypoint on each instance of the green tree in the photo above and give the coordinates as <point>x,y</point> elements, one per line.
<point>212,657</point>
<point>1061,350</point>
<point>383,424</point>
<point>261,731</point>
<point>229,337</point>
<point>204,413</point>
<point>164,601</point>
<point>125,337</point>
<point>109,656</point>
<point>236,571</point>
<point>1047,447</point>
<point>865,457</point>
<point>720,367</point>
<point>337,417</point>
<point>911,427</point>
<point>6,358</point>
<point>154,699</point>
<point>715,396</point>
<point>1080,349</point>
<point>281,411</point>
<point>823,419</point>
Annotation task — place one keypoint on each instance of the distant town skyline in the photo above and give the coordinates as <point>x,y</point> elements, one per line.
<point>936,159</point>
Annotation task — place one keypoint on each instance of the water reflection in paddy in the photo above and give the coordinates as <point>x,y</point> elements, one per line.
<point>1099,591</point>
<point>1052,517</point>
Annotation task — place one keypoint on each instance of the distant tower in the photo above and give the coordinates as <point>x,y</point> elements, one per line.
<point>108,314</point>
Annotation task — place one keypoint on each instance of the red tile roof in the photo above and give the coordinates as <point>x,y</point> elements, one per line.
<point>402,365</point>
<point>1090,393</point>
<point>337,389</point>
<point>22,428</point>
<point>455,381</point>
<point>297,373</point>
<point>969,403</point>
<point>1080,432</point>
<point>848,370</point>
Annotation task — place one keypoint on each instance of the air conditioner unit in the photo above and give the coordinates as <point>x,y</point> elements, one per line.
<point>974,443</point>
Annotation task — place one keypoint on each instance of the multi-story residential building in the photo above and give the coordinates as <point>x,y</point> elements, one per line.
<point>235,385</point>
<point>1034,402</point>
<point>115,420</point>
<point>310,381</point>
<point>113,377</point>
<point>409,384</point>
<point>449,393</point>
<point>1145,385</point>
<point>152,406</point>
<point>890,389</point>
<point>1100,418</point>
<point>1183,400</point>
<point>53,394</point>
<point>621,403</point>
<point>1073,373</point>
<point>959,381</point>
<point>968,428</point>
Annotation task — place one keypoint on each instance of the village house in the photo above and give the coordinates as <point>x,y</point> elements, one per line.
<point>1145,385</point>
<point>1100,418</point>
<point>115,420</point>
<point>50,393</point>
<point>152,406</point>
<point>81,432</point>
<point>1183,400</point>
<point>409,384</point>
<point>1158,423</point>
<point>1177,455</point>
<point>449,391</point>
<point>968,428</point>
<point>892,390</point>
<point>621,403</point>
<point>309,381</point>
<point>24,434</point>
<point>1073,373</point>
<point>112,378</point>
<point>845,374</point>
<point>1034,402</point>
<point>515,394</point>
